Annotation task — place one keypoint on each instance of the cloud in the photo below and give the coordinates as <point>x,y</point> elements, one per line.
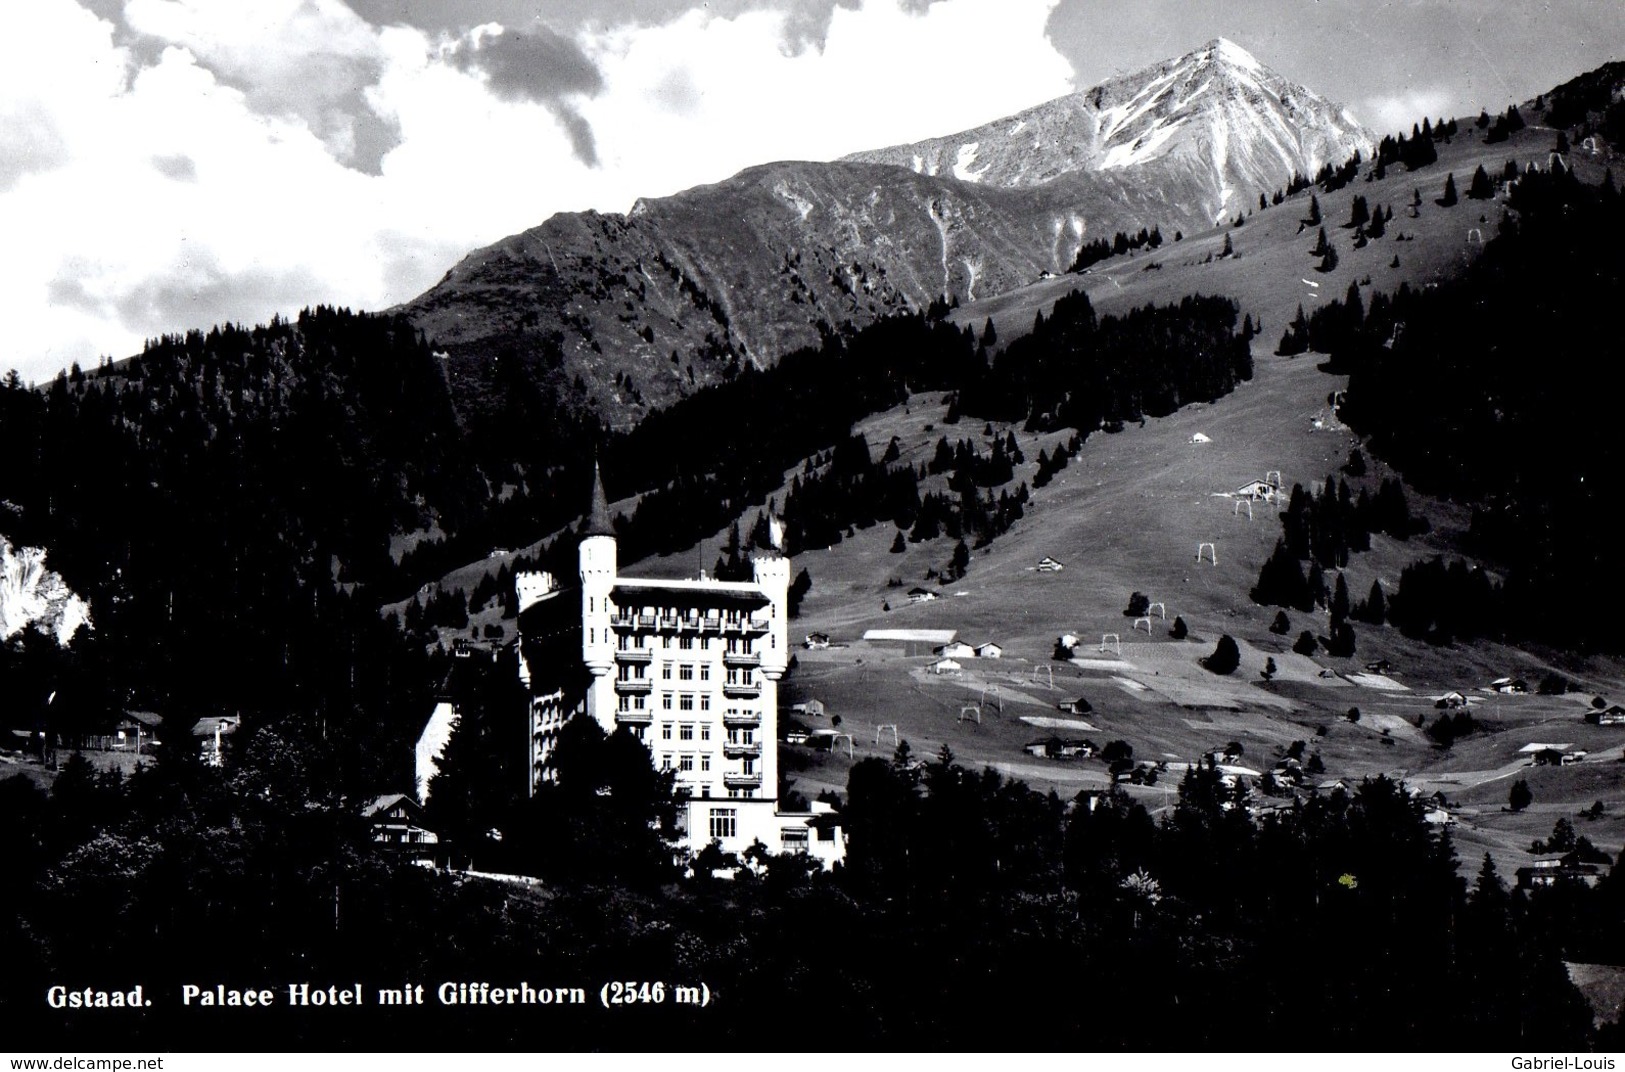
<point>1395,113</point>
<point>541,66</point>
<point>177,163</point>
<point>177,166</point>
<point>538,66</point>
<point>306,59</point>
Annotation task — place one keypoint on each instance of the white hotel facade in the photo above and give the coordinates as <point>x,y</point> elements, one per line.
<point>691,668</point>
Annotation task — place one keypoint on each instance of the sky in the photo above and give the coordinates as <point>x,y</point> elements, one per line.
<point>173,164</point>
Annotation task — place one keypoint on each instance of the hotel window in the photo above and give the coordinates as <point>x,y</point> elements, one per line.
<point>685,762</point>
<point>637,703</point>
<point>724,822</point>
<point>749,766</point>
<point>686,643</point>
<point>705,763</point>
<point>733,734</point>
<point>665,761</point>
<point>665,641</point>
<point>685,702</point>
<point>685,672</point>
<point>638,731</point>
<point>685,732</point>
<point>705,671</point>
<point>665,701</point>
<point>748,735</point>
<point>705,731</point>
<point>665,731</point>
<point>705,702</point>
<point>665,671</point>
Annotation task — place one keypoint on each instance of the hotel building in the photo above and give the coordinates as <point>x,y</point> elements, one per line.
<point>691,668</point>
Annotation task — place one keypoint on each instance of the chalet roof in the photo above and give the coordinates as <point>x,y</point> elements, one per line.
<point>384,802</point>
<point>909,636</point>
<point>148,719</point>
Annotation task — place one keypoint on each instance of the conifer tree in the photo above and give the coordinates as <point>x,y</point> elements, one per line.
<point>1449,197</point>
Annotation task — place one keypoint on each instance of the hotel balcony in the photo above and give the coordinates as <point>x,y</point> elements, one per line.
<point>627,686</point>
<point>633,655</point>
<point>736,749</point>
<point>742,718</point>
<point>632,621</point>
<point>741,780</point>
<point>741,658</point>
<point>741,690</point>
<point>635,718</point>
<point>745,625</point>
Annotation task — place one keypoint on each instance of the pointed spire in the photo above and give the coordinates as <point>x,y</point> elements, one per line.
<point>598,519</point>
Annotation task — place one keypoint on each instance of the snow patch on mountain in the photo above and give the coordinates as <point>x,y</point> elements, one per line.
<point>963,159</point>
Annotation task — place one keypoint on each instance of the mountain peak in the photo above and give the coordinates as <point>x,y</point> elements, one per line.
<point>1216,116</point>
<point>1227,50</point>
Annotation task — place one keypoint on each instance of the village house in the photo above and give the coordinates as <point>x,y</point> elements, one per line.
<point>1612,715</point>
<point>398,824</point>
<point>1058,748</point>
<point>816,641</point>
<point>1515,686</point>
<point>1567,868</point>
<point>135,732</point>
<point>1543,754</point>
<point>211,733</point>
<point>989,651</point>
<point>1075,706</point>
<point>921,595</point>
<point>946,666</point>
<point>956,650</point>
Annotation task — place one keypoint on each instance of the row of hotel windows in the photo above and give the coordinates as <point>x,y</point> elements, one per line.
<point>686,731</point>
<point>685,672</point>
<point>684,763</point>
<point>641,642</point>
<point>684,702</point>
<point>735,678</point>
